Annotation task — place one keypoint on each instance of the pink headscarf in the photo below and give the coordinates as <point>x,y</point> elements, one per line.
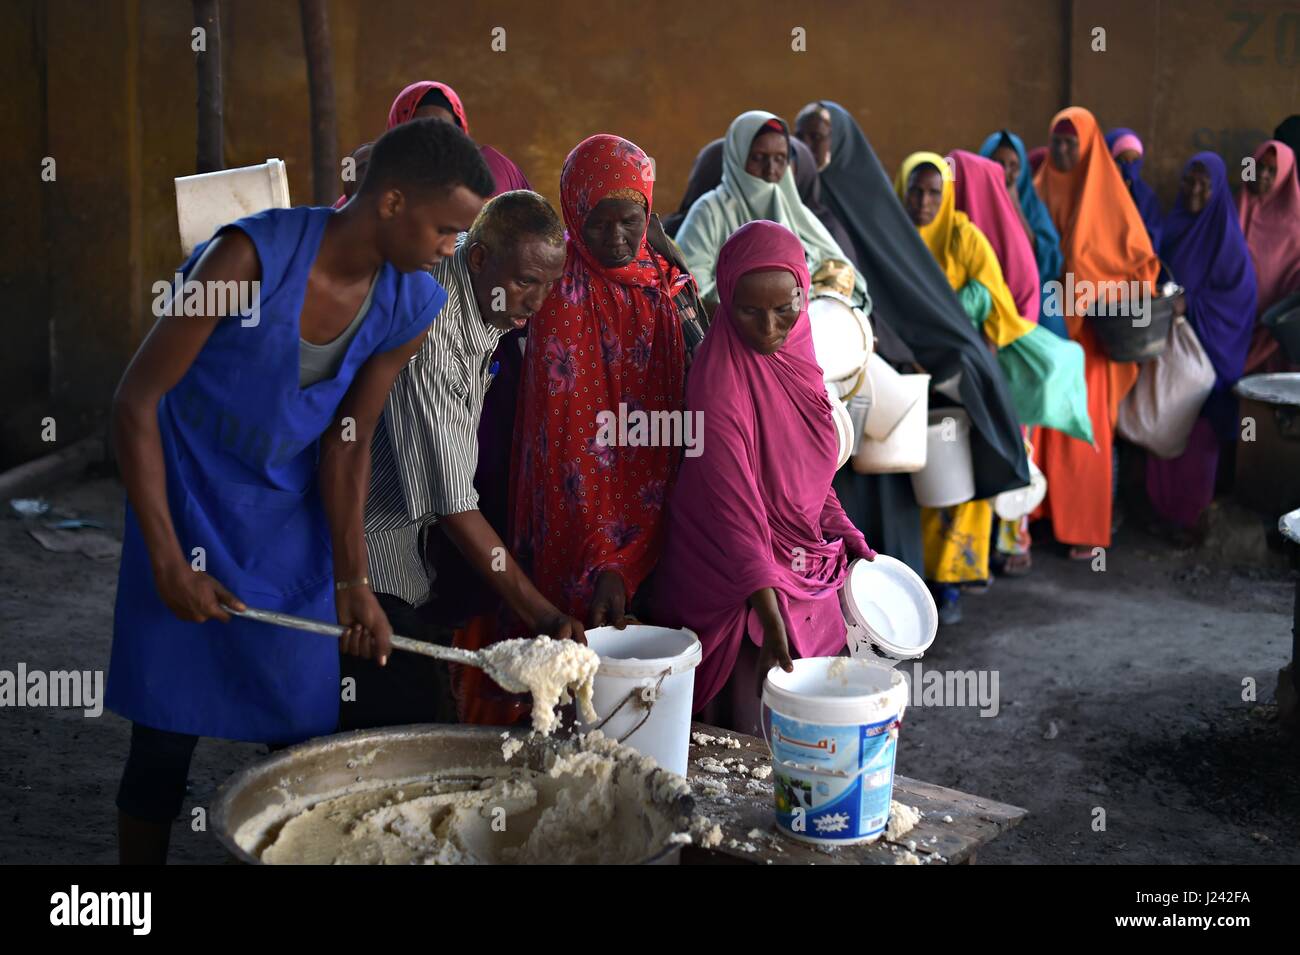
<point>1271,224</point>
<point>979,190</point>
<point>505,174</point>
<point>1124,143</point>
<point>408,101</point>
<point>756,508</point>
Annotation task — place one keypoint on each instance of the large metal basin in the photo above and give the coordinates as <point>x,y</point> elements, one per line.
<point>320,766</point>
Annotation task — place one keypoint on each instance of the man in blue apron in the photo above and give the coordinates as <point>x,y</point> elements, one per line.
<point>244,445</point>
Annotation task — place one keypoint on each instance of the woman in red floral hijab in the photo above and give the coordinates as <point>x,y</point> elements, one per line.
<point>588,513</point>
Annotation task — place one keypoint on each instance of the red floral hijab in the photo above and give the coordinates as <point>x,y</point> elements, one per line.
<point>604,338</point>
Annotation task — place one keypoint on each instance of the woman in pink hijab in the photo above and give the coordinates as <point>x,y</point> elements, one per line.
<point>757,545</point>
<point>1269,212</point>
<point>430,99</point>
<point>980,191</point>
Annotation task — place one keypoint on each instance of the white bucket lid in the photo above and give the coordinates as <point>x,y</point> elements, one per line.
<point>639,650</point>
<point>887,600</point>
<point>859,692</point>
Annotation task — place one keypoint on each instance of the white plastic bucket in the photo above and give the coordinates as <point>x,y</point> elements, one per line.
<point>905,448</point>
<point>1018,502</point>
<point>894,396</point>
<point>206,202</point>
<point>842,339</point>
<point>832,726</point>
<point>644,688</point>
<point>948,477</point>
<point>888,610</point>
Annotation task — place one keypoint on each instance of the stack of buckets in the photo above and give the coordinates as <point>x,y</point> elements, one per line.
<point>832,723</point>
<point>894,433</point>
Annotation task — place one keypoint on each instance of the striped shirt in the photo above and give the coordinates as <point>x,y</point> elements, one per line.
<point>425,449</point>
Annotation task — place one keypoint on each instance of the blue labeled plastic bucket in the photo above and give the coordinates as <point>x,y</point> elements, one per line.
<point>832,726</point>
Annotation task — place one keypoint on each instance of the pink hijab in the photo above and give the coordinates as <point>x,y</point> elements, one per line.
<point>979,190</point>
<point>756,508</point>
<point>408,101</point>
<point>1271,224</point>
<point>505,174</point>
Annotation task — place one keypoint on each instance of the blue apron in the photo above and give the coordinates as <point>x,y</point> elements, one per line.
<point>240,444</point>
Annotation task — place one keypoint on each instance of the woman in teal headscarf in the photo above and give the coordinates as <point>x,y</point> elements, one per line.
<point>757,183</point>
<point>1005,147</point>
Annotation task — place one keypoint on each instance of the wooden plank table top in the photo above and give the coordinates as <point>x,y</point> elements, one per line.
<point>744,810</point>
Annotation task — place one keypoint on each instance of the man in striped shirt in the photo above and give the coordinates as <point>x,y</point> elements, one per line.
<point>424,456</point>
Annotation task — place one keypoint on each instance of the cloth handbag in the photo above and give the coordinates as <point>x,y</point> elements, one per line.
<point>1044,374</point>
<point>1158,414</point>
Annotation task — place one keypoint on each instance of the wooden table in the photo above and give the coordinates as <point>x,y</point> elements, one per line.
<point>975,821</point>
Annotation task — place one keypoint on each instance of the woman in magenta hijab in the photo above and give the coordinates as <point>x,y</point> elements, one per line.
<point>757,545</point>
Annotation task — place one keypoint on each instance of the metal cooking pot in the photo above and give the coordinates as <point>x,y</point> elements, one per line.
<point>1268,464</point>
<point>320,766</point>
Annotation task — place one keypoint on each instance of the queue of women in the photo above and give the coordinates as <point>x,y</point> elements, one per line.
<point>951,260</point>
<point>417,432</point>
<point>981,270</point>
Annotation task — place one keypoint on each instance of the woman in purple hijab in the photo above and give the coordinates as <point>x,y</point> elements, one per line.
<point>757,545</point>
<point>1126,149</point>
<point>1207,253</point>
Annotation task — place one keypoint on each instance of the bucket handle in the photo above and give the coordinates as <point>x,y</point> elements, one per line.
<point>828,773</point>
<point>647,705</point>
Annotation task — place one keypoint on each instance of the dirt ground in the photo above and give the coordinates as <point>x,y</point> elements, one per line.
<point>1119,690</point>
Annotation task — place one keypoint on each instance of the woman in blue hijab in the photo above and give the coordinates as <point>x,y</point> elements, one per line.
<point>1006,148</point>
<point>1126,148</point>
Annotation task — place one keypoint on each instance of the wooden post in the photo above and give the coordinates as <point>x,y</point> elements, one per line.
<point>324,120</point>
<point>211,147</point>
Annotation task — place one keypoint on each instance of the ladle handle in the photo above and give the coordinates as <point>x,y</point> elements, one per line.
<point>449,654</point>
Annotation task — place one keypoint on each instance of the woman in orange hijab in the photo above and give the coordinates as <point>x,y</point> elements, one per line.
<point>1103,240</point>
